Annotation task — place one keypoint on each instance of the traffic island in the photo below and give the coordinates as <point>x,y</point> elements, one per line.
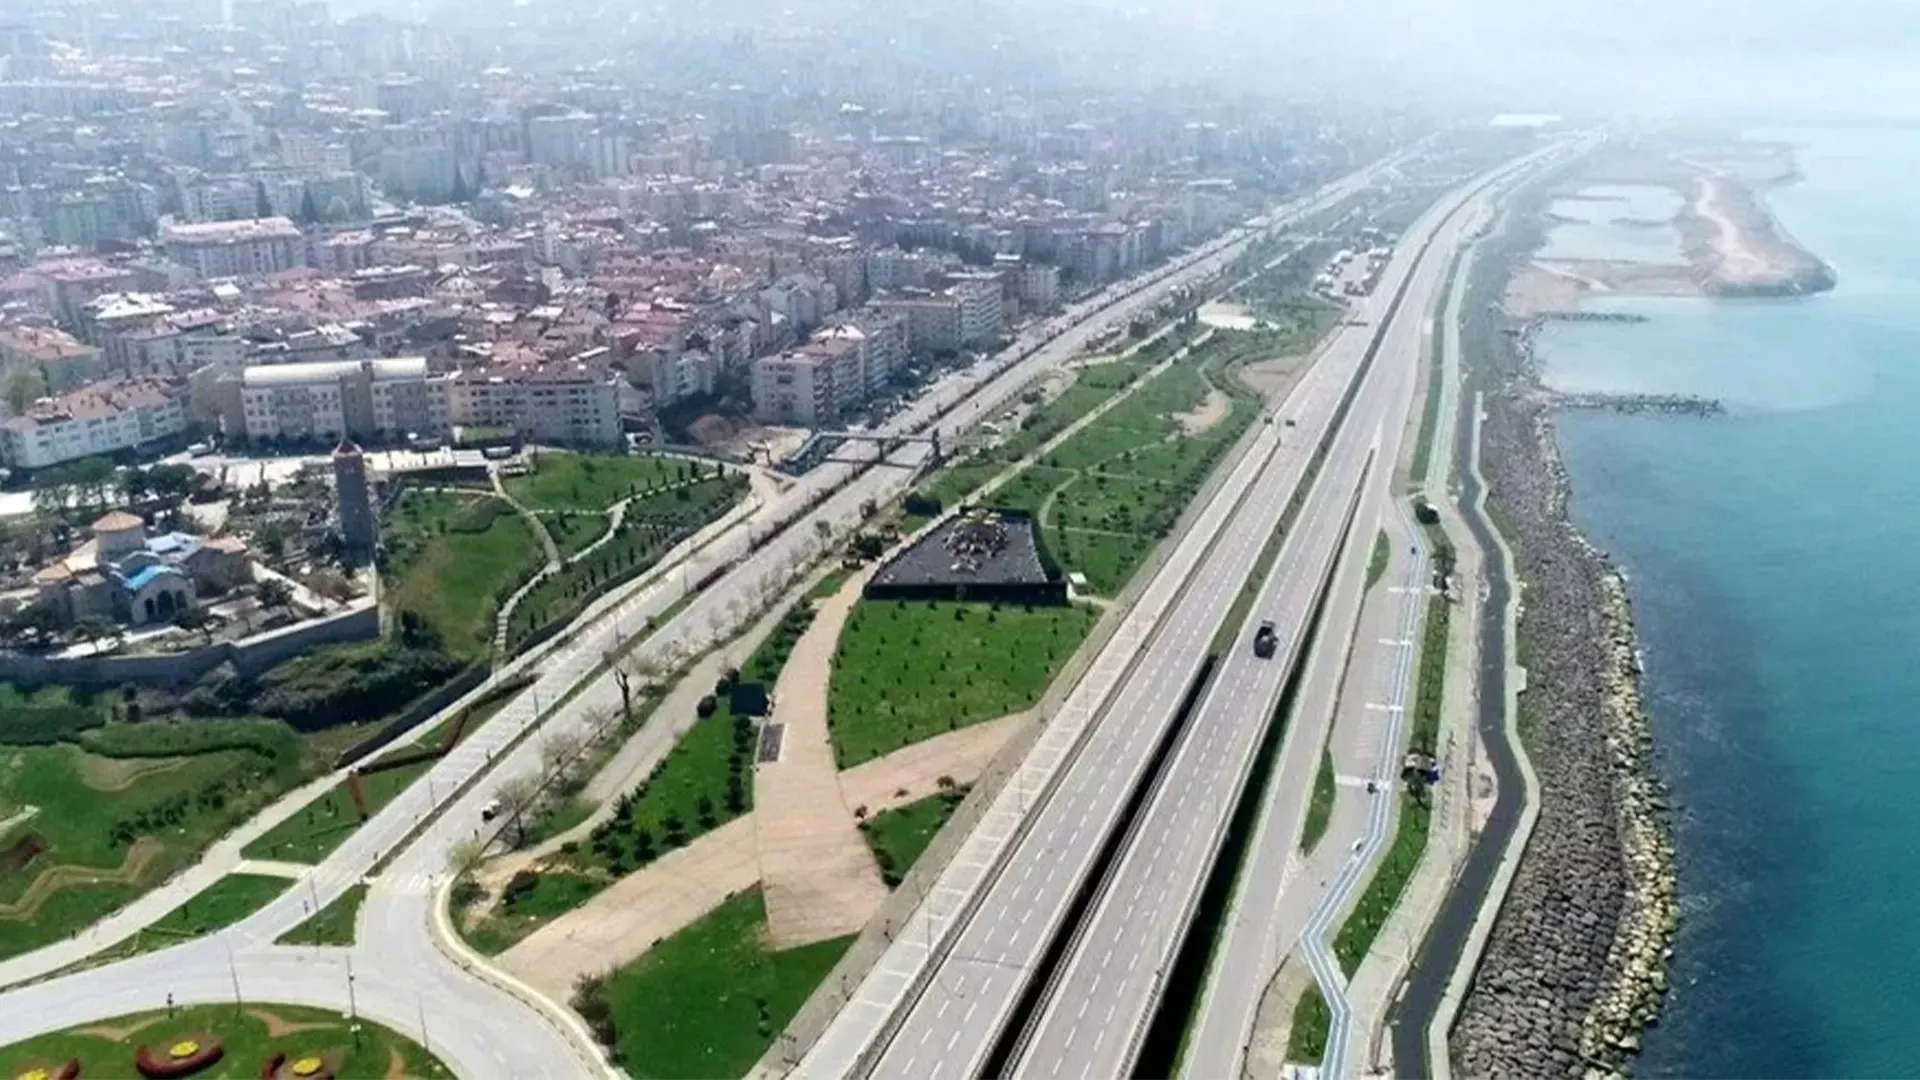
<point>228,1041</point>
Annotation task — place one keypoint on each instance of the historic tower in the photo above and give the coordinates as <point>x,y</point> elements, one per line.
<point>357,523</point>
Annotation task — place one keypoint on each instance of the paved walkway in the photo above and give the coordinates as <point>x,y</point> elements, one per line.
<point>637,911</point>
<point>505,617</point>
<point>816,871</point>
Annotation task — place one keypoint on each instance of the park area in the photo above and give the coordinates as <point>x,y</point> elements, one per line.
<point>96,810</point>
<point>703,783</point>
<point>322,825</point>
<point>452,559</point>
<point>223,1041</point>
<point>650,527</point>
<point>558,480</point>
<point>707,1001</point>
<point>898,837</point>
<point>909,670</point>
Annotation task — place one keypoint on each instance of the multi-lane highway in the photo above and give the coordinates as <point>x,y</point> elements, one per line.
<point>976,983</point>
<point>1099,1007</point>
<point>949,1016</point>
<point>1275,904</point>
<point>401,970</point>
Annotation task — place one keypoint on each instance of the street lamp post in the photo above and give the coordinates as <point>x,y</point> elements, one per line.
<point>233,971</point>
<point>353,1005</point>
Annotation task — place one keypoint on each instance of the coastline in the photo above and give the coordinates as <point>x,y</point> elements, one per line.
<point>1732,244</point>
<point>1576,964</point>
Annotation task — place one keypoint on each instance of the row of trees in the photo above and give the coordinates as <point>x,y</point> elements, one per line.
<point>93,483</point>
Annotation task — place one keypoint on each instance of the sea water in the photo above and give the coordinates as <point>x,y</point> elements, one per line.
<point>1627,222</point>
<point>1774,565</point>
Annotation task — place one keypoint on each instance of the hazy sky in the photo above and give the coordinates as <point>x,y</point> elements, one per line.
<point>1639,54</point>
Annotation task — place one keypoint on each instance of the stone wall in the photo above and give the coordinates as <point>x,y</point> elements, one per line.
<point>249,656</point>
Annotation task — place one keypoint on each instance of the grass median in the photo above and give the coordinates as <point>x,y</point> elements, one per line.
<point>1414,820</point>
<point>333,924</point>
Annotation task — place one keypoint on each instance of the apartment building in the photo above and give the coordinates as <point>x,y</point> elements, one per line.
<point>105,418</point>
<point>62,361</point>
<point>933,322</point>
<point>325,400</point>
<point>567,402</point>
<point>982,315</point>
<point>235,248</point>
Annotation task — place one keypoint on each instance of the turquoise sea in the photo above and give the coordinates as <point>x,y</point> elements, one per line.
<point>1774,557</point>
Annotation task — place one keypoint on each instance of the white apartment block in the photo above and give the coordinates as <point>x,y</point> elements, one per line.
<point>791,389</point>
<point>569,402</point>
<point>235,248</point>
<point>1037,285</point>
<point>933,322</point>
<point>884,348</point>
<point>105,418</point>
<point>325,400</point>
<point>982,314</point>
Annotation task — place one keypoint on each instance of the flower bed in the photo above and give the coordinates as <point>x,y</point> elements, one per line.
<point>182,1057</point>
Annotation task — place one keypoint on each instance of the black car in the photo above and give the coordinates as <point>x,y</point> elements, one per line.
<point>1265,640</point>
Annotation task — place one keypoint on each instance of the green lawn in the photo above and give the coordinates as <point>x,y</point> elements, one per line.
<point>311,834</point>
<point>1390,879</point>
<point>904,672</point>
<point>828,585</point>
<point>107,1048</point>
<point>113,827</point>
<point>333,925</point>
<point>710,1000</point>
<point>1377,563</point>
<point>453,559</point>
<point>573,532</point>
<point>899,836</point>
<point>220,905</point>
<point>1307,1038</point>
<point>651,528</point>
<point>1093,387</point>
<point>566,481</point>
<point>1120,483</point>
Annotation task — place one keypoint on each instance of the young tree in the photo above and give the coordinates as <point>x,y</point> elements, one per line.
<point>24,387</point>
<point>517,797</point>
<point>274,593</point>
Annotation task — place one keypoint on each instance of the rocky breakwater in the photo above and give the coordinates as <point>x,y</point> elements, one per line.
<point>1642,943</point>
<point>1574,966</point>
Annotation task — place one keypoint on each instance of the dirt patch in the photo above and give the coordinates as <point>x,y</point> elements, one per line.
<point>121,1032</point>
<point>1540,289</point>
<point>396,1065</point>
<point>1205,415</point>
<point>55,878</point>
<point>119,774</point>
<point>279,1027</point>
<point>1271,378</point>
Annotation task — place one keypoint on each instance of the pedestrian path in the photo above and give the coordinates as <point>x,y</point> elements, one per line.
<point>816,871</point>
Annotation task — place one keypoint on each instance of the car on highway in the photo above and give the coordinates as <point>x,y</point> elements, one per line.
<point>1265,640</point>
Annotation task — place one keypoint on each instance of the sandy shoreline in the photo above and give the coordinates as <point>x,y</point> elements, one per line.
<point>1734,246</point>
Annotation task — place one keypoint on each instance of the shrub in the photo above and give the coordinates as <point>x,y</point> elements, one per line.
<point>343,684</point>
<point>708,705</point>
